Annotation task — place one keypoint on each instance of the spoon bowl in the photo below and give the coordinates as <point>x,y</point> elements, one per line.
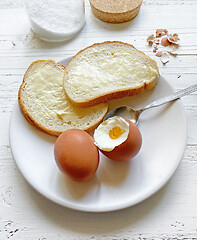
<point>126,112</point>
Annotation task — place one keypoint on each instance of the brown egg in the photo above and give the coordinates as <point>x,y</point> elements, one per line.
<point>76,155</point>
<point>127,149</point>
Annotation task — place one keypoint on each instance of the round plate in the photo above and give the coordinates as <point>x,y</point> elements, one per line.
<point>116,185</point>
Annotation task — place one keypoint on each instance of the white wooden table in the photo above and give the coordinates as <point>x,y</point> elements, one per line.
<point>169,214</point>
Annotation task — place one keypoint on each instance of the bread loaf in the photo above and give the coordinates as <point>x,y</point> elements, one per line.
<point>106,71</point>
<point>43,101</point>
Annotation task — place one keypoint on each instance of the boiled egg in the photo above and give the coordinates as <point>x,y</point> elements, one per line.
<point>76,155</point>
<point>118,138</point>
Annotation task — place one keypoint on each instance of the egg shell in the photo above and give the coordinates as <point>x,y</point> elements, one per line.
<point>165,42</point>
<point>129,148</point>
<point>76,155</point>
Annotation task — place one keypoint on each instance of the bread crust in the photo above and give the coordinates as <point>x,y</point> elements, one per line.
<point>118,94</point>
<point>30,118</point>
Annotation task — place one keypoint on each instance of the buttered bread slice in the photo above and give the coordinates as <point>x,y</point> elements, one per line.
<point>44,103</point>
<point>106,71</point>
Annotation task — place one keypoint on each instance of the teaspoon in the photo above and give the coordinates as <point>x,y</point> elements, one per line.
<point>133,114</point>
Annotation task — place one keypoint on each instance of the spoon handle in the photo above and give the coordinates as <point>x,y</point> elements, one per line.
<point>172,97</point>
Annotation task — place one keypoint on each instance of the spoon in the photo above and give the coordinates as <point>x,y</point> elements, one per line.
<point>133,114</point>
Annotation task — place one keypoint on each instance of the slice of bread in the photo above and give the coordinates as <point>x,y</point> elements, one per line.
<point>43,101</point>
<point>106,71</point>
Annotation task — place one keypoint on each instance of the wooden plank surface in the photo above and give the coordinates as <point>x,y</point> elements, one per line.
<point>169,214</point>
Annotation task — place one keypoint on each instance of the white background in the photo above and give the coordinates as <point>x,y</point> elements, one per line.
<point>169,214</point>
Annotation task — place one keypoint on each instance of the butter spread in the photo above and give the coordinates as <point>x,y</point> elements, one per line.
<point>100,69</point>
<point>47,99</point>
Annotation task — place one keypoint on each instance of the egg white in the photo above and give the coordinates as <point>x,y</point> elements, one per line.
<point>101,134</point>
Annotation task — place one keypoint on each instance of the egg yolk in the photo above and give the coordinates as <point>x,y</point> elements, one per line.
<point>115,132</point>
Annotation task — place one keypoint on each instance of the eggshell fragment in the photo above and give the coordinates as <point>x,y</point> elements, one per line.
<point>164,58</point>
<point>159,54</point>
<point>173,38</point>
<point>157,41</point>
<point>172,49</point>
<point>176,36</point>
<point>165,42</point>
<point>155,48</point>
<point>165,31</point>
<point>150,40</point>
<point>160,32</point>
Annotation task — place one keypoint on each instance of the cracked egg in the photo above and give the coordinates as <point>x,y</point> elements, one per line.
<point>118,139</point>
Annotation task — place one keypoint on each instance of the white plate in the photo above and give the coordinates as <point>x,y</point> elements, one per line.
<point>116,185</point>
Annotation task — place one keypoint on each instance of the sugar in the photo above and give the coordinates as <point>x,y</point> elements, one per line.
<point>62,16</point>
